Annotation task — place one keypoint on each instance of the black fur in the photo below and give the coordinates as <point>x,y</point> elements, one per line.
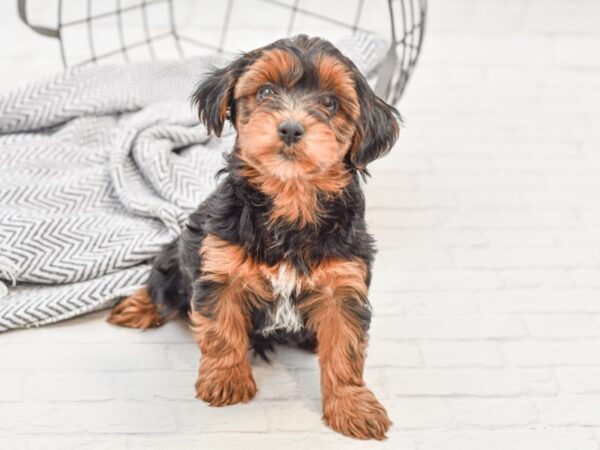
<point>214,94</point>
<point>378,126</point>
<point>378,122</point>
<point>239,213</point>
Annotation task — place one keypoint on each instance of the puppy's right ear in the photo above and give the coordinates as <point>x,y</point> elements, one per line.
<point>213,97</point>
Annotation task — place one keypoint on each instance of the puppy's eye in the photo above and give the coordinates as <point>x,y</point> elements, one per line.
<point>264,92</point>
<point>330,103</point>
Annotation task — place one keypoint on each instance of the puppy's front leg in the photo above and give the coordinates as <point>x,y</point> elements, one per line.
<point>337,310</point>
<point>228,285</point>
<point>225,376</point>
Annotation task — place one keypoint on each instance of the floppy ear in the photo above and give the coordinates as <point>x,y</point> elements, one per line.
<point>377,128</point>
<point>213,97</point>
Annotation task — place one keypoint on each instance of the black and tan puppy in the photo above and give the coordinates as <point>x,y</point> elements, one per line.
<point>280,251</point>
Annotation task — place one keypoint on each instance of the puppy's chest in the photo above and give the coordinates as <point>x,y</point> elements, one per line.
<point>283,314</point>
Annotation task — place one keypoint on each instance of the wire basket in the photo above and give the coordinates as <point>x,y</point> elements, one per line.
<point>127,30</point>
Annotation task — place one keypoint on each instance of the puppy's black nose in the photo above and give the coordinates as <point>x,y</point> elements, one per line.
<point>290,132</point>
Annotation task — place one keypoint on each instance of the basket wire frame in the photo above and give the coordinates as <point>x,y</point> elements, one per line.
<point>407,19</point>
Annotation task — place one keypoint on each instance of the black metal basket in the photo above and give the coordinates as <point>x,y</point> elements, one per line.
<point>104,29</point>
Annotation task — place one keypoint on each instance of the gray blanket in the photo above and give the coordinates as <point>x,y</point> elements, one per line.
<point>99,168</point>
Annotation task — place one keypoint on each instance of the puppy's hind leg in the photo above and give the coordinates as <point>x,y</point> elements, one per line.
<point>136,311</point>
<point>165,296</point>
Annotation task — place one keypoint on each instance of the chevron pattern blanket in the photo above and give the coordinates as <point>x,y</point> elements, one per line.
<point>99,168</point>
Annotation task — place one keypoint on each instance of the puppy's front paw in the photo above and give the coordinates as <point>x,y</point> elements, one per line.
<point>355,412</point>
<point>220,387</point>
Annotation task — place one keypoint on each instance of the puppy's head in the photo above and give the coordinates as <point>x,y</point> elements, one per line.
<point>301,109</point>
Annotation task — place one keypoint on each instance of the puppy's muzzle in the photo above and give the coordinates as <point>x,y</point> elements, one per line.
<point>290,132</point>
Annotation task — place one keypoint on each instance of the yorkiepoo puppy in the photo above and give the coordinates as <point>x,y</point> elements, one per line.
<point>280,253</point>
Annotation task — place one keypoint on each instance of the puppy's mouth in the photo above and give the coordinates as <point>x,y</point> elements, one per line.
<point>288,153</point>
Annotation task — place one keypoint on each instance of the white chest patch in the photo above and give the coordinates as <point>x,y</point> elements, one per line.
<point>284,316</point>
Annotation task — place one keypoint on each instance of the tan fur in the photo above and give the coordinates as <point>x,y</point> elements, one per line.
<point>136,311</point>
<point>225,376</point>
<point>295,200</point>
<point>348,405</point>
<point>335,77</point>
<point>293,177</point>
<point>330,299</point>
<point>228,264</point>
<point>275,66</point>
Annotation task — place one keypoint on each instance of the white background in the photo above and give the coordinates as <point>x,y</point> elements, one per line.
<point>486,289</point>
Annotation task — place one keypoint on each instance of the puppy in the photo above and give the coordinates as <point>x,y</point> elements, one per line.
<point>280,253</point>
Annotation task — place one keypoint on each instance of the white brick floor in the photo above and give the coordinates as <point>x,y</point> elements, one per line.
<point>486,290</point>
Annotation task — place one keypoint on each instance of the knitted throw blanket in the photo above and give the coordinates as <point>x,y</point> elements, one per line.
<point>99,168</point>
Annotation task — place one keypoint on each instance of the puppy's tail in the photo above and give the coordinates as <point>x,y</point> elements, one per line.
<point>136,311</point>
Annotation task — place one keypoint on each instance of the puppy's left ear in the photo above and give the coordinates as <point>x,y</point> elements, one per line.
<point>213,97</point>
<point>377,128</point>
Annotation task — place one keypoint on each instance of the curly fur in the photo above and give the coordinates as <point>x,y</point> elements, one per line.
<point>279,253</point>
